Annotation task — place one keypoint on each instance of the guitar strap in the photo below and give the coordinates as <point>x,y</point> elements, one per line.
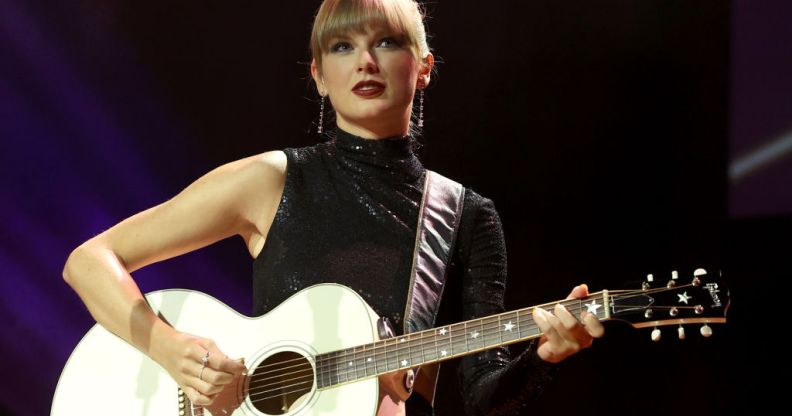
<point>438,221</point>
<point>435,237</point>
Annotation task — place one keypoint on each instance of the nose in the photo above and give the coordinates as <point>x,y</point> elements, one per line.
<point>367,63</point>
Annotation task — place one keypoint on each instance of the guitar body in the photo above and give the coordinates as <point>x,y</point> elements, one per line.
<point>105,375</point>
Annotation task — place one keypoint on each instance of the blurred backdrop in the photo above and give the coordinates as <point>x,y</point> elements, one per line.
<point>617,138</point>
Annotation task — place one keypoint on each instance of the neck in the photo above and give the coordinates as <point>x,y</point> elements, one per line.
<point>374,131</point>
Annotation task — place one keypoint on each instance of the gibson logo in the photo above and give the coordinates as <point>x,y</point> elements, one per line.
<point>713,291</point>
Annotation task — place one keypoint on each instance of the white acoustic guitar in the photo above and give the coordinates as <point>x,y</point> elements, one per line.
<point>319,352</point>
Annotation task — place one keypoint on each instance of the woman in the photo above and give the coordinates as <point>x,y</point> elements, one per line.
<point>345,211</point>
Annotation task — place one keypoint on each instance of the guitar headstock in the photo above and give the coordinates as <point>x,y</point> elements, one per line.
<point>701,298</point>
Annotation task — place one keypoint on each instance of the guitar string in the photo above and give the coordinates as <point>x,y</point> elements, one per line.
<point>258,391</point>
<point>261,376</point>
<point>416,335</point>
<point>420,336</point>
<point>355,370</point>
<point>386,349</point>
<point>431,340</point>
<point>486,326</point>
<point>310,378</point>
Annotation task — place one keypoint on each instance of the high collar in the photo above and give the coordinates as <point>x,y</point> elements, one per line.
<point>392,157</point>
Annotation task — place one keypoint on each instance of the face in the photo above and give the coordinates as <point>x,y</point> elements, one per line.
<point>381,106</point>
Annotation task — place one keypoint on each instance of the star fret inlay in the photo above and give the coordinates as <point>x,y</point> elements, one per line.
<point>592,307</point>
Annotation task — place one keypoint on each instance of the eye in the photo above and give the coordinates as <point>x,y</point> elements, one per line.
<point>340,47</point>
<point>389,43</point>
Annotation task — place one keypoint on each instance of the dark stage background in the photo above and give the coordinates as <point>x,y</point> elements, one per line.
<point>601,129</point>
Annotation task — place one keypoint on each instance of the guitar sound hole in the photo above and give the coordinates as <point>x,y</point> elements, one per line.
<point>279,382</point>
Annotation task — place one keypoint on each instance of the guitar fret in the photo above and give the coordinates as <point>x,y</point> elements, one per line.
<point>458,347</point>
<point>404,352</point>
<point>395,357</point>
<point>508,332</point>
<point>355,363</point>
<point>381,359</point>
<point>416,351</point>
<point>437,344</point>
<point>434,338</point>
<point>342,377</point>
<point>464,332</point>
<point>320,374</point>
<point>370,364</point>
<point>492,332</point>
<point>500,331</point>
<point>519,327</point>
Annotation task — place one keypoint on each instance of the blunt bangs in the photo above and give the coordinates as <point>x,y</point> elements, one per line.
<point>337,18</point>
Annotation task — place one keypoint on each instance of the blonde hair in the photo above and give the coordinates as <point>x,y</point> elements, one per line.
<point>338,17</point>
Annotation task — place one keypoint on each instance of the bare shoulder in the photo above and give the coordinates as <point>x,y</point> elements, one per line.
<point>265,169</point>
<point>259,181</point>
<point>273,162</point>
<point>247,183</point>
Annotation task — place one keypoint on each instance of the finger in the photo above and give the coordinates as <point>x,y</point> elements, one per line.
<point>212,376</point>
<point>579,292</point>
<point>593,325</point>
<point>572,329</point>
<point>197,397</point>
<point>554,347</point>
<point>232,366</point>
<point>205,387</point>
<point>541,317</point>
<point>220,361</point>
<point>572,334</point>
<point>200,353</point>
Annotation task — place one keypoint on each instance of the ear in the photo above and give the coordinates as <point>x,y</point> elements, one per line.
<point>424,74</point>
<point>317,77</point>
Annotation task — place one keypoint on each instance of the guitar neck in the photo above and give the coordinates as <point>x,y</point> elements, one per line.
<point>444,343</point>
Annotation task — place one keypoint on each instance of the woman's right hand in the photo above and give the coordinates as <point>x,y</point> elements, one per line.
<point>239,198</point>
<point>183,358</point>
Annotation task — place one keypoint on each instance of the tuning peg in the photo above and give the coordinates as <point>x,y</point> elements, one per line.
<point>674,311</point>
<point>674,275</point>
<point>706,331</point>
<point>656,335</point>
<point>650,278</point>
<point>699,272</point>
<point>681,332</point>
<point>648,314</point>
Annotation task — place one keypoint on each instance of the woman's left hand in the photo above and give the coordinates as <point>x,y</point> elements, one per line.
<point>564,335</point>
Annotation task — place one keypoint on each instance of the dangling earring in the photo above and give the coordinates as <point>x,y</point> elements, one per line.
<point>420,109</point>
<point>321,115</point>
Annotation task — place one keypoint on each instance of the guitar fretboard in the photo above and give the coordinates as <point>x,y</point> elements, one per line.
<point>442,343</point>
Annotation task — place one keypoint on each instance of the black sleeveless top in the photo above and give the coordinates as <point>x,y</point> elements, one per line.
<point>349,214</point>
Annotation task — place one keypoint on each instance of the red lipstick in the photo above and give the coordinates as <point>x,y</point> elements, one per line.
<point>368,89</point>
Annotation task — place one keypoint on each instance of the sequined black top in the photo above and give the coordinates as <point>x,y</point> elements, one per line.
<point>349,214</point>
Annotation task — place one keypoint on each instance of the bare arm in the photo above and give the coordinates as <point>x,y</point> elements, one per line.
<point>239,198</point>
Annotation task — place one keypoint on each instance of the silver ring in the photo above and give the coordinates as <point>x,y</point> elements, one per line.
<point>204,362</point>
